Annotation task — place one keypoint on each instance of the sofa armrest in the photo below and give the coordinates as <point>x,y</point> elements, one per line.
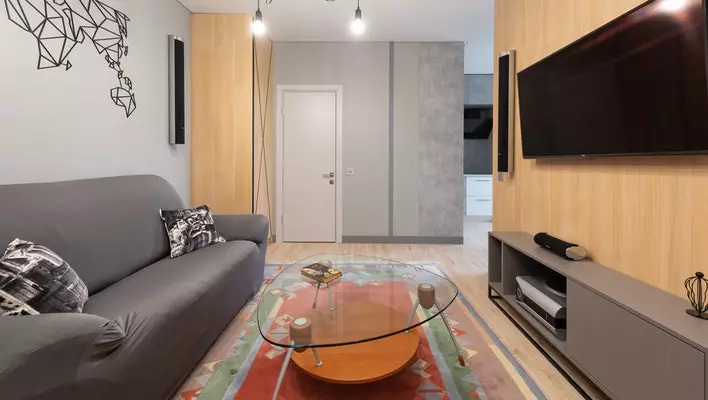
<point>41,354</point>
<point>253,228</point>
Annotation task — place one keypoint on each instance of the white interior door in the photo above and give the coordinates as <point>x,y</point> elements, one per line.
<point>309,138</point>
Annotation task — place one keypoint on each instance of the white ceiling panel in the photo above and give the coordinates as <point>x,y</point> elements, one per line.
<point>387,20</point>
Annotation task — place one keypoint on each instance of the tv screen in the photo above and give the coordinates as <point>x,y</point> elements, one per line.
<point>635,86</point>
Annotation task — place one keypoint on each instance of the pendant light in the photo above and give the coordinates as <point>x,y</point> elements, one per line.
<point>358,26</point>
<point>257,26</point>
<point>673,5</point>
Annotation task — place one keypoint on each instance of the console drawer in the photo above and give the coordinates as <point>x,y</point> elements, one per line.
<point>626,354</point>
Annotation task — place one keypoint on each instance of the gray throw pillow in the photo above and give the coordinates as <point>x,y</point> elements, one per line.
<point>190,229</point>
<point>34,278</point>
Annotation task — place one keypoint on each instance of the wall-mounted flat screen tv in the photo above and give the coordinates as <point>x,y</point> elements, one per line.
<point>635,86</point>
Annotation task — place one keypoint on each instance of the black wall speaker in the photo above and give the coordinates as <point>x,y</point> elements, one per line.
<point>567,250</point>
<point>505,113</point>
<point>177,90</point>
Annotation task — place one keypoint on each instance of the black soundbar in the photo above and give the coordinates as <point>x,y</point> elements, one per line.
<point>567,250</point>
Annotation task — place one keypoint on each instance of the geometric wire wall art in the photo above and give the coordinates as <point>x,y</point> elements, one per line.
<point>59,25</point>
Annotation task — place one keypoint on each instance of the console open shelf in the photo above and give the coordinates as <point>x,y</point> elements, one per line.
<point>548,335</point>
<point>621,333</point>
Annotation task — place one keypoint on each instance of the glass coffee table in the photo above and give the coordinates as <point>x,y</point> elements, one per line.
<point>358,328</point>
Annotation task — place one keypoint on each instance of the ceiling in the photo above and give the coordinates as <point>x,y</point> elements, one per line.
<point>471,21</point>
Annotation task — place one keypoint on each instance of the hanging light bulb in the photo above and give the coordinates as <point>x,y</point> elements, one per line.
<point>257,26</point>
<point>358,26</point>
<point>673,5</point>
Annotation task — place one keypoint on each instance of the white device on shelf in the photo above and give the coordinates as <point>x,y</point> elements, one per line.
<point>547,307</point>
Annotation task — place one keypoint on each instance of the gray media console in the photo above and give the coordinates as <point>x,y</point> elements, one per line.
<point>632,340</point>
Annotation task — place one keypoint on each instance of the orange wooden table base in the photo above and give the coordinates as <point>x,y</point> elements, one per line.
<point>363,362</point>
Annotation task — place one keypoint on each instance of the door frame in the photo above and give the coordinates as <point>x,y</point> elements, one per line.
<point>339,171</point>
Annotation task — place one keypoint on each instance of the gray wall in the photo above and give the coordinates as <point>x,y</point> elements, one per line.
<point>479,89</point>
<point>406,139</point>
<point>478,156</point>
<point>441,95</point>
<point>363,70</point>
<point>408,94</point>
<point>59,125</point>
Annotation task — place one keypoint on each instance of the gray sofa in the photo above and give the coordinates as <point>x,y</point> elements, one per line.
<point>149,319</point>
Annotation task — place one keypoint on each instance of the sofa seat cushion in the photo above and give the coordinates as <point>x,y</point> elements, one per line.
<point>171,313</point>
<point>171,285</point>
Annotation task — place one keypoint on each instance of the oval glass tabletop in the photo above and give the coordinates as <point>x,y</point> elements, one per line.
<point>372,299</point>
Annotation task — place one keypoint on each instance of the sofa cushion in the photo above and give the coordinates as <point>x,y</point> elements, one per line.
<point>170,285</point>
<point>38,277</point>
<point>190,229</point>
<point>171,313</point>
<point>105,228</point>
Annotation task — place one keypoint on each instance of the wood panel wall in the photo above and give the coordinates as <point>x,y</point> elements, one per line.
<point>645,217</point>
<point>264,129</point>
<point>222,112</point>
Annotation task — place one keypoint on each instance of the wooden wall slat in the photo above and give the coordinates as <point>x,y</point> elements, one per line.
<point>222,110</point>
<point>645,217</point>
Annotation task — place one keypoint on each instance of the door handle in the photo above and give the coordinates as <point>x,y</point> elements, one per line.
<point>329,175</point>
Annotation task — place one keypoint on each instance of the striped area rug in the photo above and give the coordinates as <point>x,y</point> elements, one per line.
<point>241,365</point>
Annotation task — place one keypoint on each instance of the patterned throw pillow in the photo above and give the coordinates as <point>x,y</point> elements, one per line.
<point>10,305</point>
<point>34,279</point>
<point>190,229</point>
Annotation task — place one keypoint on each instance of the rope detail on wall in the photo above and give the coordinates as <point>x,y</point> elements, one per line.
<point>263,156</point>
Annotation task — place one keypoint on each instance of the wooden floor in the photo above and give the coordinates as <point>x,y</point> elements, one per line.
<point>467,265</point>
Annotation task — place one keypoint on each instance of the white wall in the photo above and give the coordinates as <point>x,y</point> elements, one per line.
<point>60,125</point>
<point>479,55</point>
<point>479,50</point>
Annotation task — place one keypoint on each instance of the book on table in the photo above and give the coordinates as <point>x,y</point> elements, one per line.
<point>321,273</point>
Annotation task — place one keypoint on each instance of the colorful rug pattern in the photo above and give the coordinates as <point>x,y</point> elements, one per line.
<point>241,365</point>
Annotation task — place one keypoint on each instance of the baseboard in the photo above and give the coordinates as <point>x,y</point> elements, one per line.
<point>404,239</point>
